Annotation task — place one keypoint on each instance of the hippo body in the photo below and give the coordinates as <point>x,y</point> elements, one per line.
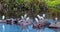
<point>41,24</point>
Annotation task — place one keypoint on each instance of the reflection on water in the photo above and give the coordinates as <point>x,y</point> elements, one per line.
<point>15,28</point>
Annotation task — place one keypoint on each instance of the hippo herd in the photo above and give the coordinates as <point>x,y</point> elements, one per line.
<point>25,21</point>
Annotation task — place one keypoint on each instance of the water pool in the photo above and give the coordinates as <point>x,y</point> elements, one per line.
<point>16,28</point>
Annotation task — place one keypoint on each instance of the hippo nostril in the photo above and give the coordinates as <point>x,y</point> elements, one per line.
<point>39,24</point>
<point>21,21</point>
<point>26,22</point>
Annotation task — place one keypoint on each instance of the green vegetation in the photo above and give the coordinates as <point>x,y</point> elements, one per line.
<point>53,4</point>
<point>16,8</point>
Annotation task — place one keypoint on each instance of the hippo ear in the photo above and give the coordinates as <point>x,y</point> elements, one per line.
<point>25,15</point>
<point>36,19</point>
<point>27,18</point>
<point>22,17</point>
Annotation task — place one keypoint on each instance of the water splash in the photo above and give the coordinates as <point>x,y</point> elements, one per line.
<point>3,17</point>
<point>36,19</point>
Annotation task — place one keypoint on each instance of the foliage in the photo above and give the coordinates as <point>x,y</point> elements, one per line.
<point>54,4</point>
<point>16,8</point>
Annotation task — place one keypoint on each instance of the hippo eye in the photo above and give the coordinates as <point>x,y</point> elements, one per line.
<point>26,22</point>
